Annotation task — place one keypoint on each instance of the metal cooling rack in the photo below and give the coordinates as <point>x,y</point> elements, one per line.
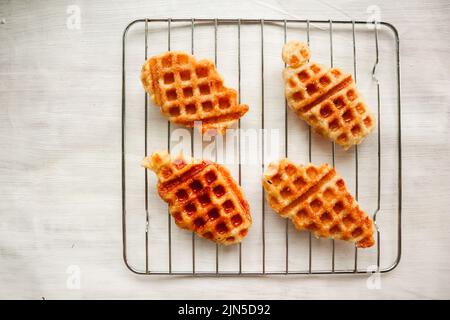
<point>240,23</point>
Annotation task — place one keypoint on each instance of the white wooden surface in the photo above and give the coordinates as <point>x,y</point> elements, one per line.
<point>60,194</point>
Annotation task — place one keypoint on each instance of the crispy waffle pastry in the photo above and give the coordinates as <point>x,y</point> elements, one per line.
<point>315,198</point>
<point>202,197</point>
<point>188,90</point>
<point>326,98</point>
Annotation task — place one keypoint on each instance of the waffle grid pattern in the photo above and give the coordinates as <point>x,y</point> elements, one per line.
<point>315,198</point>
<point>202,197</point>
<point>188,90</point>
<point>328,100</point>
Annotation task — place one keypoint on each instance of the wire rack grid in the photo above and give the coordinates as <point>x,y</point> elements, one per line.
<point>240,270</point>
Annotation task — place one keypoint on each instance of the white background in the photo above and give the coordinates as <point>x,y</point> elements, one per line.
<point>60,195</point>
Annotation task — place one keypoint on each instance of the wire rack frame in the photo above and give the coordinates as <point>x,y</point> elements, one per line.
<point>284,23</point>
